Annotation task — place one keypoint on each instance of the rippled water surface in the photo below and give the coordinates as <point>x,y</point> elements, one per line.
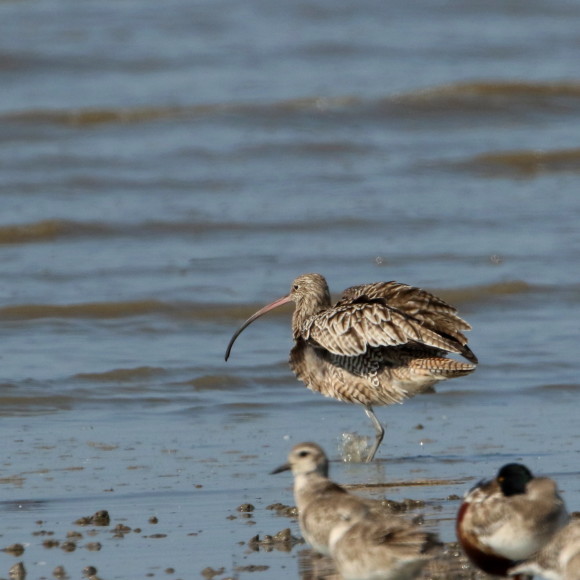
<point>168,168</point>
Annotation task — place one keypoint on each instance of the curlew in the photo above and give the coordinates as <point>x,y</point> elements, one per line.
<point>509,518</point>
<point>327,512</point>
<point>380,344</point>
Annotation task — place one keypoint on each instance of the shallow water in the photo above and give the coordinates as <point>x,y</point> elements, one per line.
<point>169,168</point>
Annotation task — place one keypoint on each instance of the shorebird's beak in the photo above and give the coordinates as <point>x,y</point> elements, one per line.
<point>275,304</point>
<point>285,467</point>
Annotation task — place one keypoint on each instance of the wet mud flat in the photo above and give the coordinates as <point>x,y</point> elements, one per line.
<point>451,561</point>
<point>89,533</point>
<point>94,533</point>
<point>179,492</point>
<point>120,501</point>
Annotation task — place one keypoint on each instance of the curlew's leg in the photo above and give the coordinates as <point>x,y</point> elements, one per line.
<point>378,428</point>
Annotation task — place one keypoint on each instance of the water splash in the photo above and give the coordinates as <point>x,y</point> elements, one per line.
<point>354,448</point>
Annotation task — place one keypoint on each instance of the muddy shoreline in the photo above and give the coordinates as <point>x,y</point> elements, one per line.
<point>92,533</point>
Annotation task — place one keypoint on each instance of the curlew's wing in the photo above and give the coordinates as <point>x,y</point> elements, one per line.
<point>349,329</point>
<point>422,306</point>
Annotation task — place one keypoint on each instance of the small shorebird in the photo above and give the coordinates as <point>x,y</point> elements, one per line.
<point>380,344</point>
<point>322,504</point>
<point>559,559</point>
<point>379,548</point>
<point>317,497</point>
<point>507,519</point>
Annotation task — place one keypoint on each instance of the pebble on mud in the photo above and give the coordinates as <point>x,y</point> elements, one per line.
<point>14,549</point>
<point>100,518</point>
<point>153,520</point>
<point>283,541</point>
<point>400,506</point>
<point>68,546</point>
<point>246,507</point>
<point>210,573</point>
<point>60,573</point>
<point>288,511</point>
<point>122,529</point>
<point>93,546</point>
<point>252,568</point>
<point>17,572</point>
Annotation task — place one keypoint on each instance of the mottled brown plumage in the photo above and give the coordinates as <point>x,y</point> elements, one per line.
<point>379,344</point>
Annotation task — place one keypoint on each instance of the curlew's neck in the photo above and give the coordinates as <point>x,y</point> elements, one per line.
<point>307,306</point>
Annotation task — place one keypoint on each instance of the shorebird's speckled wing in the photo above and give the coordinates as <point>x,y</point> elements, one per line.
<point>413,301</point>
<point>422,306</point>
<point>350,329</point>
<point>353,325</point>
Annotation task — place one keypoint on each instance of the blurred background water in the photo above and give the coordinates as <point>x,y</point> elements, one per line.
<point>167,168</point>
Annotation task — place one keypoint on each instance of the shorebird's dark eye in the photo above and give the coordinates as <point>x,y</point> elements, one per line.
<point>296,286</point>
<point>304,454</point>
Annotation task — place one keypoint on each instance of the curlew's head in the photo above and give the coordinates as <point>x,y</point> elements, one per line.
<point>305,458</point>
<point>310,294</point>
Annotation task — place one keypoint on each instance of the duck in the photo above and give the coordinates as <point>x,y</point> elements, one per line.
<point>505,520</point>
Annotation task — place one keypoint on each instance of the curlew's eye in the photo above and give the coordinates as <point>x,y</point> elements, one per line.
<point>304,454</point>
<point>295,287</point>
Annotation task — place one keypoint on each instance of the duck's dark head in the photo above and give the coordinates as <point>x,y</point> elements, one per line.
<point>513,478</point>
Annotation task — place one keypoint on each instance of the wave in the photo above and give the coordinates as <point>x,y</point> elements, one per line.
<point>475,96</point>
<point>485,291</point>
<point>524,163</point>
<point>56,229</point>
<point>126,309</point>
<point>122,375</point>
<point>87,310</point>
<point>500,89</point>
<point>88,117</point>
<point>46,230</point>
<point>219,312</point>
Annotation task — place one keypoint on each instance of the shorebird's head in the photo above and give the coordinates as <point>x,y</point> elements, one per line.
<point>309,289</point>
<point>305,458</point>
<point>513,478</point>
<point>310,294</point>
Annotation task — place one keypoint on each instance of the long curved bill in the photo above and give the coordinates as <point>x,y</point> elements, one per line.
<point>271,306</point>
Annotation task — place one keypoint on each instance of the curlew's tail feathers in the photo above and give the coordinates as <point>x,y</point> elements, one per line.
<point>441,368</point>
